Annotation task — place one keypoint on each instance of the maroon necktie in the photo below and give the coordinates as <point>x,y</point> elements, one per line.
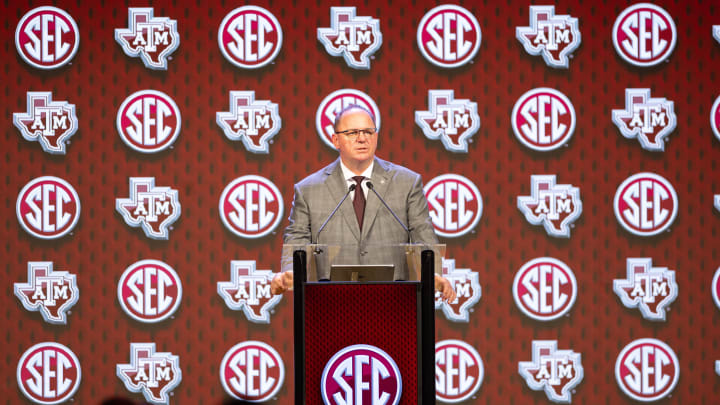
<point>359,201</point>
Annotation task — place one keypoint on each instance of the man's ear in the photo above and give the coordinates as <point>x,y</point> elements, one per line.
<point>335,141</point>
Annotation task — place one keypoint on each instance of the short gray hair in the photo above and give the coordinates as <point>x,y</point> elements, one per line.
<point>348,108</point>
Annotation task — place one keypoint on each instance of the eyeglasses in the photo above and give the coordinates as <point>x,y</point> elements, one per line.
<point>354,133</point>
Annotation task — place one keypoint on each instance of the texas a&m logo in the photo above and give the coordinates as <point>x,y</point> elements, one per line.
<point>154,209</point>
<point>449,36</point>
<point>154,374</point>
<point>467,289</point>
<point>451,120</point>
<point>49,122</point>
<point>553,36</point>
<point>148,121</point>
<point>149,291</point>
<point>48,373</point>
<point>545,289</point>
<point>48,207</point>
<point>50,292</point>
<point>251,206</point>
<point>644,34</point>
<point>334,103</point>
<point>254,122</point>
<point>647,370</point>
<point>715,116</point>
<point>557,372</point>
<point>455,204</point>
<point>252,371</point>
<point>716,288</point>
<point>716,32</point>
<point>249,290</point>
<point>250,37</point>
<point>459,371</point>
<point>543,119</point>
<point>649,119</point>
<point>151,38</point>
<point>651,289</point>
<point>361,373</point>
<point>47,37</point>
<point>645,204</point>
<point>354,38</point>
<point>554,206</point>
<point>717,202</point>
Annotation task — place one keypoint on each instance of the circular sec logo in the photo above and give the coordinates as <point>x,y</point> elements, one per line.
<point>251,206</point>
<point>543,119</point>
<point>449,36</point>
<point>365,368</point>
<point>250,37</point>
<point>644,34</point>
<point>647,370</point>
<point>545,289</point>
<point>334,103</point>
<point>645,204</point>
<point>48,207</point>
<point>47,38</point>
<point>459,371</point>
<point>252,371</point>
<point>455,204</point>
<point>48,373</point>
<point>148,121</point>
<point>716,287</point>
<point>715,118</point>
<point>149,291</point>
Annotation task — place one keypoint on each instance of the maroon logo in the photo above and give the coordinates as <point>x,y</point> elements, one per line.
<point>363,373</point>
<point>48,207</point>
<point>252,371</point>
<point>50,292</point>
<point>49,122</point>
<point>151,38</point>
<point>149,291</point>
<point>49,373</point>
<point>47,37</point>
<point>148,121</point>
<point>154,374</point>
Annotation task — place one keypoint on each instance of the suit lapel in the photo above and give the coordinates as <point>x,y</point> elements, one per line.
<point>380,180</point>
<point>338,187</point>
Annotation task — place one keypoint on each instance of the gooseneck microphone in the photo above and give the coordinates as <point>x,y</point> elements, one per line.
<point>371,187</point>
<point>317,238</point>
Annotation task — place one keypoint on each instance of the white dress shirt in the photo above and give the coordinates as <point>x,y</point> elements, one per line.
<point>348,175</point>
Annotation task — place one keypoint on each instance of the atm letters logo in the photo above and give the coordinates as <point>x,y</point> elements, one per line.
<point>151,38</point>
<point>154,374</point>
<point>249,291</point>
<point>554,36</point>
<point>49,122</point>
<point>254,122</point>
<point>649,119</point>
<point>50,292</point>
<point>557,372</point>
<point>353,37</point>
<point>154,209</point>
<point>451,120</point>
<point>554,206</point>
<point>467,289</point>
<point>648,288</point>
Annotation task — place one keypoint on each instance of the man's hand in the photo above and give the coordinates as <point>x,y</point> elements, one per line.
<point>281,282</point>
<point>443,285</point>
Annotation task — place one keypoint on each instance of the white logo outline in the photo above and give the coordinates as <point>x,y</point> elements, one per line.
<point>564,191</point>
<point>638,302</point>
<point>473,189</point>
<point>267,183</point>
<point>659,103</point>
<point>478,359</point>
<point>141,387</point>
<point>33,183</point>
<point>142,221</point>
<point>442,132</point>
<point>657,178</point>
<point>227,357</point>
<point>633,345</point>
<point>455,275</point>
<point>574,357</point>
<point>521,33</point>
<point>242,304</point>
<point>40,306</point>
<point>556,263</point>
<point>267,106</point>
<point>257,10</point>
<point>37,135</point>
<point>141,52</point>
<point>155,263</point>
<point>374,25</point>
<point>569,132</point>
<point>714,287</point>
<point>715,110</point>
<point>169,101</point>
<point>56,346</point>
<point>654,61</point>
<point>470,18</point>
<point>73,25</point>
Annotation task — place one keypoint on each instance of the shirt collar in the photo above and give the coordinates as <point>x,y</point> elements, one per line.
<point>348,174</point>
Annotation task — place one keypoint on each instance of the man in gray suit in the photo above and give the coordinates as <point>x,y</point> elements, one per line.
<point>363,227</point>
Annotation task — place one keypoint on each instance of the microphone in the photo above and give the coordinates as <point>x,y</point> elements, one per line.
<point>371,187</point>
<point>350,189</point>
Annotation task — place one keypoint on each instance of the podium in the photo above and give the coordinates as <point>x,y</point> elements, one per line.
<point>364,342</point>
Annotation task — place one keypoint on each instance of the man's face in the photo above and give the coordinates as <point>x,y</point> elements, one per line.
<point>361,149</point>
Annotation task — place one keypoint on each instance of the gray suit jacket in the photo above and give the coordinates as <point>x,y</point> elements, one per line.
<point>318,194</point>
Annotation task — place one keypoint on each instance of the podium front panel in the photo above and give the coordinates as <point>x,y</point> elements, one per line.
<point>384,315</point>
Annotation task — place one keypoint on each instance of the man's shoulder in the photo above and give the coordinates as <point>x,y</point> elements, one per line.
<point>317,178</point>
<point>396,171</point>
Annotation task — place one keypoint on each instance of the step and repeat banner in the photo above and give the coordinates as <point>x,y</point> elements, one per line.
<point>569,154</point>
